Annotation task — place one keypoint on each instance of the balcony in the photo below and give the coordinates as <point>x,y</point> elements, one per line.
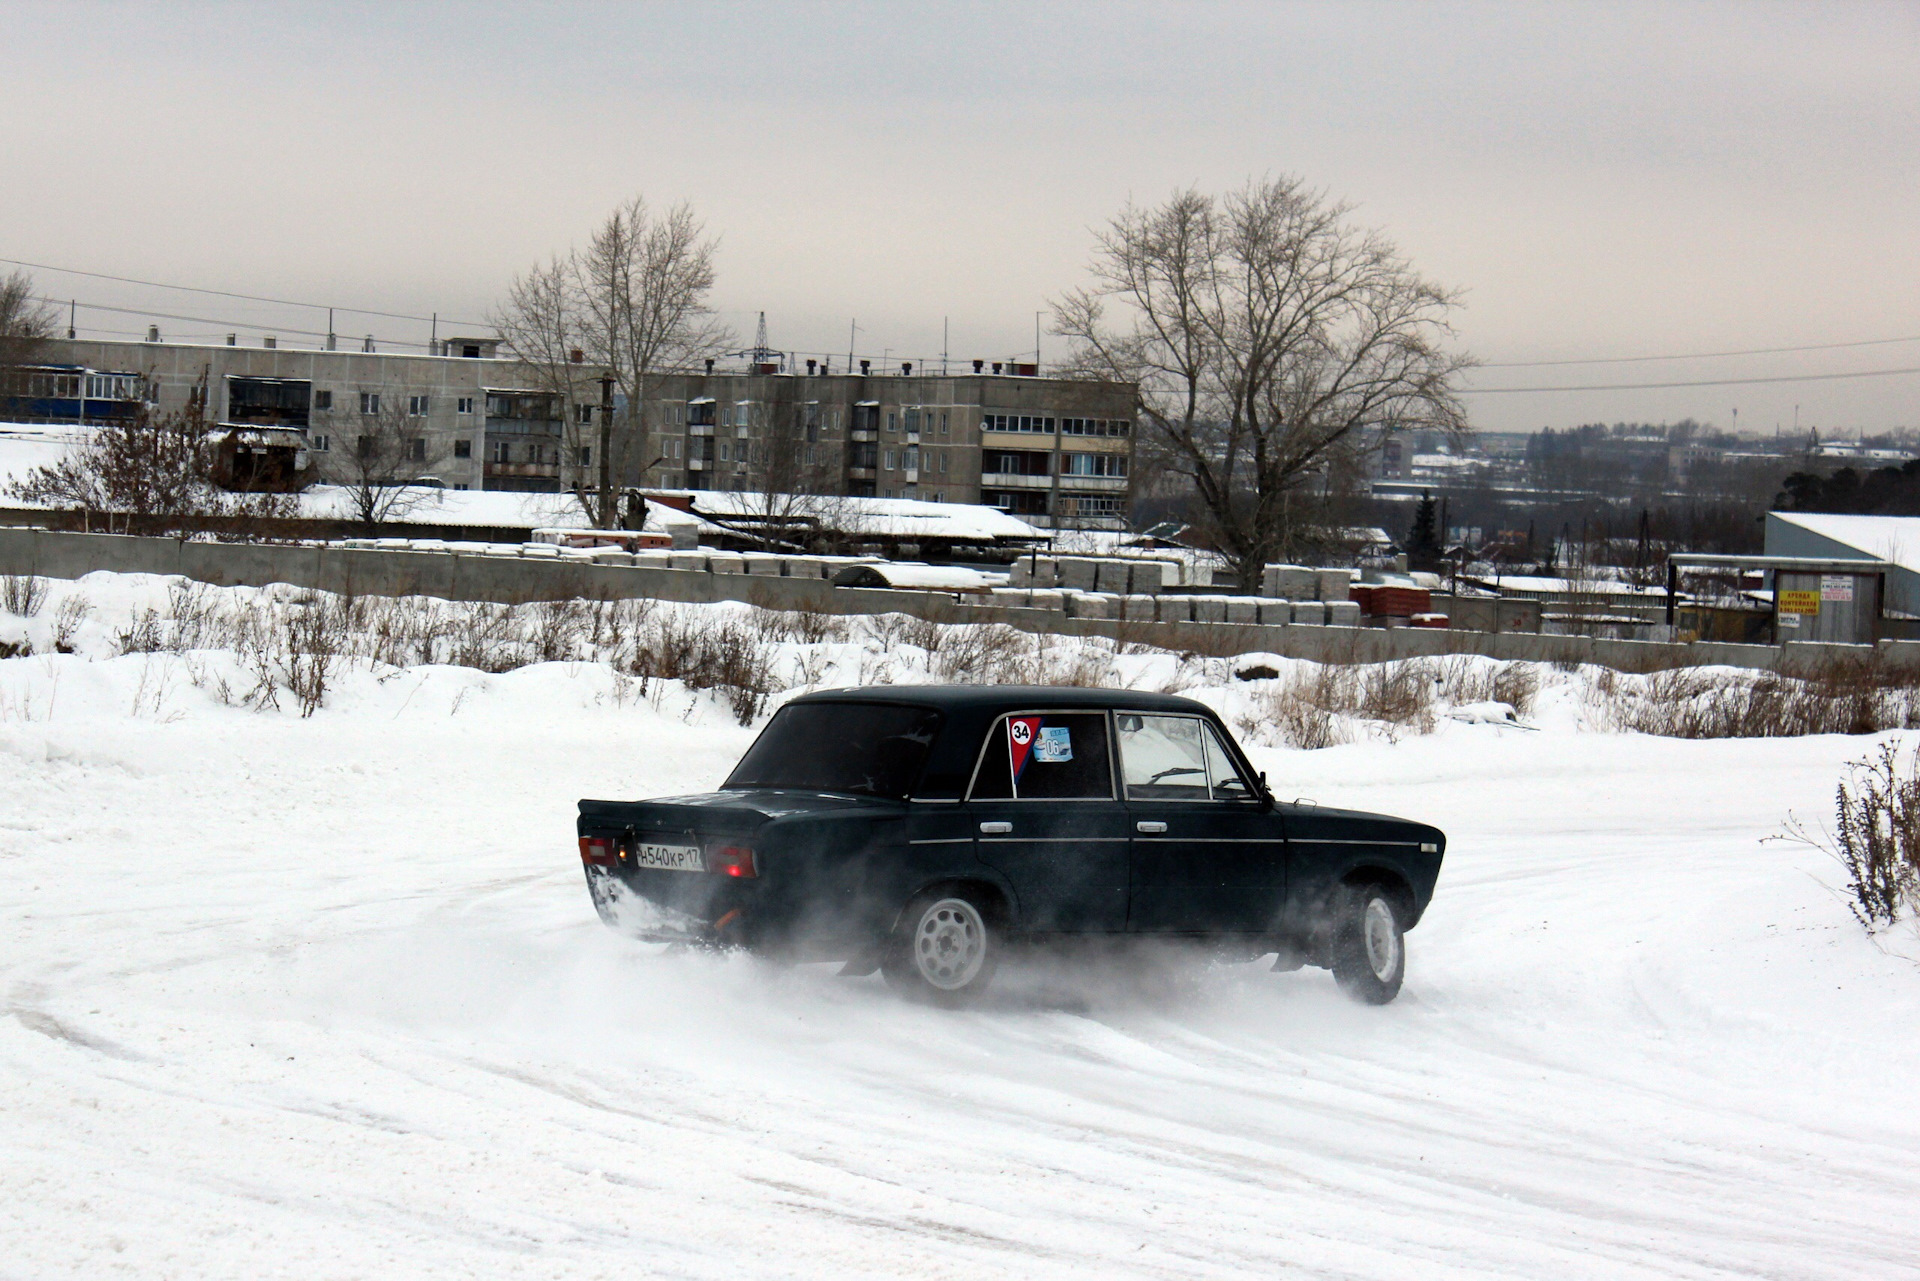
<point>542,471</point>
<point>862,473</point>
<point>1093,484</point>
<point>1016,480</point>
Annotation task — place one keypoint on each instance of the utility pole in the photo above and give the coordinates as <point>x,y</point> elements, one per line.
<point>1036,341</point>
<point>853,328</point>
<point>606,512</point>
<point>943,346</point>
<point>73,314</point>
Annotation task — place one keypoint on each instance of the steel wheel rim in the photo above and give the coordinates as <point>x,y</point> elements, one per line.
<point>950,944</point>
<point>1383,944</point>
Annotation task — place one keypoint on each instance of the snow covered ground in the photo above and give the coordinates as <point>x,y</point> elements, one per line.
<point>325,998</point>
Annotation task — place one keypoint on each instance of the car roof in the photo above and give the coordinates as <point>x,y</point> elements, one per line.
<point>999,698</point>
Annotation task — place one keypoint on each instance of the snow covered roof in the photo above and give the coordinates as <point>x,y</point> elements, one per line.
<point>1895,539</point>
<point>477,507</point>
<point>910,574</point>
<point>877,517</point>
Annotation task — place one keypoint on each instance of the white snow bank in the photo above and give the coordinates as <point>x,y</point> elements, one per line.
<point>326,998</point>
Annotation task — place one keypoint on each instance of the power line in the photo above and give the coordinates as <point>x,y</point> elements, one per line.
<point>1698,355</point>
<point>1705,382</point>
<point>221,293</point>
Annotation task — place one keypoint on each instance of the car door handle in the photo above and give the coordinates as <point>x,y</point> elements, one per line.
<point>1146,826</point>
<point>994,829</point>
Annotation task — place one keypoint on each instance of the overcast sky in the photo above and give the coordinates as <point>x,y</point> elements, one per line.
<point>1602,181</point>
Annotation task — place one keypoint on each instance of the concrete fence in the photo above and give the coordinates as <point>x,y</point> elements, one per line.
<point>511,579</point>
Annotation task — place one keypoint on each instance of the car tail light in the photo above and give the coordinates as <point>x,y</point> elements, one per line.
<point>731,860</point>
<point>597,851</point>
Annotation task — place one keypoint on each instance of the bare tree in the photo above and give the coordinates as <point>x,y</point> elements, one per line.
<point>793,475</point>
<point>634,303</point>
<point>26,323</point>
<point>1269,339</point>
<point>380,450</point>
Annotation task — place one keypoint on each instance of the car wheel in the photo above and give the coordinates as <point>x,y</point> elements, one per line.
<point>1369,947</point>
<point>944,951</point>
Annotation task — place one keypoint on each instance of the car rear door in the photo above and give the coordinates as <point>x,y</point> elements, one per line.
<point>1045,815</point>
<point>1207,854</point>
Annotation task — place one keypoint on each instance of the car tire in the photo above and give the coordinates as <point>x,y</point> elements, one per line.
<point>1369,944</point>
<point>944,951</point>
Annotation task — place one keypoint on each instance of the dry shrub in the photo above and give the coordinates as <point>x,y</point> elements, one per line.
<point>806,626</point>
<point>982,654</point>
<point>1840,698</point>
<point>703,652</point>
<point>312,639</point>
<point>1516,684</point>
<point>143,636</point>
<point>1876,837</point>
<point>67,619</point>
<point>22,594</point>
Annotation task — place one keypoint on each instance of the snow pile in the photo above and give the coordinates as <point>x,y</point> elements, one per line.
<point>325,997</point>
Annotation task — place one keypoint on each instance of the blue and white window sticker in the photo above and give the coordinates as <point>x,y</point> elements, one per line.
<point>1055,745</point>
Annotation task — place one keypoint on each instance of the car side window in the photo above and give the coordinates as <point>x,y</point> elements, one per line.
<point>1162,758</point>
<point>1228,785</point>
<point>1046,756</point>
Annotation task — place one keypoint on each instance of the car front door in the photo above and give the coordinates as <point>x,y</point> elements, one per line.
<point>1044,814</point>
<point>1208,855</point>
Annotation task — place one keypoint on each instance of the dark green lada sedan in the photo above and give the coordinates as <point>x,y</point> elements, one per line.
<point>921,831</point>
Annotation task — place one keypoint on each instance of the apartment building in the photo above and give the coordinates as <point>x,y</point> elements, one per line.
<point>1051,450</point>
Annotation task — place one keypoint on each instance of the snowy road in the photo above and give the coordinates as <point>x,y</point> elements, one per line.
<point>326,998</point>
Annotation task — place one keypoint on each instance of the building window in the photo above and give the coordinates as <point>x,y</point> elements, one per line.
<point>499,452</point>
<point>369,403</point>
<point>321,444</point>
<point>888,464</point>
<point>700,413</point>
<point>742,413</point>
<point>323,400</point>
<point>416,406</point>
<point>464,404</point>
<point>935,495</point>
<point>1094,465</point>
<point>673,448</point>
<point>911,458</point>
<point>913,420</point>
<point>463,449</point>
<point>943,429</point>
<point>586,456</point>
<point>943,464</point>
<point>583,414</point>
<point>459,486</point>
<point>893,424</point>
<point>417,450</point>
<point>726,455</point>
<point>364,446</point>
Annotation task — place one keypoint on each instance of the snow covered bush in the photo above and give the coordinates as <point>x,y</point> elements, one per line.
<point>1876,837</point>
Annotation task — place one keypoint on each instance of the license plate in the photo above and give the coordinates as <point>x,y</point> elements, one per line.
<point>670,858</point>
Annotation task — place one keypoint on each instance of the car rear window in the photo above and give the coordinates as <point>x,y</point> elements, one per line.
<point>869,749</point>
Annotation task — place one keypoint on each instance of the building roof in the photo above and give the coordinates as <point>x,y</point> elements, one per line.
<point>1890,538</point>
<point>874,517</point>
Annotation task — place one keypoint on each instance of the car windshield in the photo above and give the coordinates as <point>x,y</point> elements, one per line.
<point>871,749</point>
